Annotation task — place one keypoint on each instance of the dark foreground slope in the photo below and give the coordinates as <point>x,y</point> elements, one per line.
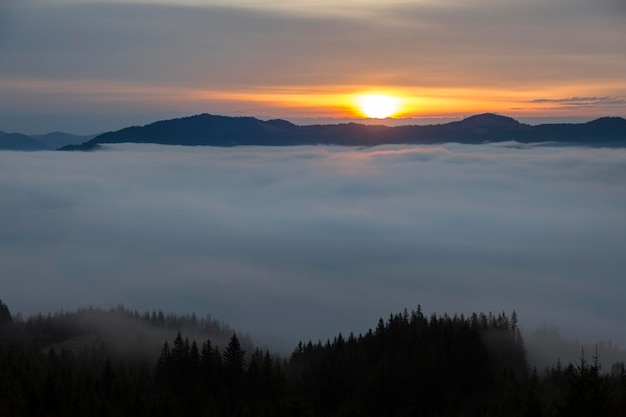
<point>213,130</point>
<point>409,365</point>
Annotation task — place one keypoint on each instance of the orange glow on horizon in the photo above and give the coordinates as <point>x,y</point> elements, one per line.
<point>409,102</point>
<point>317,101</point>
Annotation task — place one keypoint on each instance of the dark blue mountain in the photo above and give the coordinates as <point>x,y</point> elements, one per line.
<point>206,129</point>
<point>49,141</point>
<point>56,140</point>
<point>19,142</point>
<point>605,129</point>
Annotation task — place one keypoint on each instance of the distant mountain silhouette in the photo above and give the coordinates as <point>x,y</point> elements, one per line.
<point>610,129</point>
<point>55,140</point>
<point>20,142</point>
<point>206,129</point>
<point>486,120</point>
<point>49,141</point>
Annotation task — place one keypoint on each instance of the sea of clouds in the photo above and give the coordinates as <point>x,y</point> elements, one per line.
<point>305,242</point>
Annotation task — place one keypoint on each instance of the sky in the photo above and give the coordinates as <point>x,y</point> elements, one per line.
<point>85,66</point>
<point>299,243</point>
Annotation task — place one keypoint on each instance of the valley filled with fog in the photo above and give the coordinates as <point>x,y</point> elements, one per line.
<point>300,243</point>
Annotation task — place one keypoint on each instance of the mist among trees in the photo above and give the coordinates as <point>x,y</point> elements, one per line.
<point>409,364</point>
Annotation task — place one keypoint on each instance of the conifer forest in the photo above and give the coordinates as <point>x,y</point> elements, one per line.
<point>408,364</point>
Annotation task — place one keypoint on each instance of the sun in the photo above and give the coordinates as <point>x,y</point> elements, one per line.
<point>378,106</point>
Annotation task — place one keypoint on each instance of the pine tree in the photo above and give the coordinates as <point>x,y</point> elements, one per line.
<point>234,356</point>
<point>5,314</point>
<point>164,364</point>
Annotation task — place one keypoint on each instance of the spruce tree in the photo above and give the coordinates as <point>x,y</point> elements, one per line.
<point>5,314</point>
<point>234,356</point>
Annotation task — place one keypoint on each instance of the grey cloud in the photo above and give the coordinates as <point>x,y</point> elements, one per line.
<point>571,100</point>
<point>308,241</point>
<point>583,101</point>
<point>116,62</point>
<point>209,46</point>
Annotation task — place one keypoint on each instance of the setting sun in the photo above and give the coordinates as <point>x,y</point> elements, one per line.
<point>378,106</point>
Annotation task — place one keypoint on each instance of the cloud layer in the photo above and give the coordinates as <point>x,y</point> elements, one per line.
<point>308,241</point>
<point>105,60</point>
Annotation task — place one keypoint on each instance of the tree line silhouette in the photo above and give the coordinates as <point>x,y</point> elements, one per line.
<point>408,365</point>
<point>215,130</point>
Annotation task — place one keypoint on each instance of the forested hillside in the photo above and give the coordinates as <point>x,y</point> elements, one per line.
<point>409,364</point>
<point>215,130</point>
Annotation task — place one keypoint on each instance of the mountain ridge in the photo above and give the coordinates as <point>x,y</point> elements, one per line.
<point>45,142</point>
<point>216,130</point>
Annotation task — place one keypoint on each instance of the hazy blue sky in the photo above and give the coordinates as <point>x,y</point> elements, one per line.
<point>91,66</point>
<point>305,242</point>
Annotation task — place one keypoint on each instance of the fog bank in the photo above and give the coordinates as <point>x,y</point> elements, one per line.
<point>304,242</point>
